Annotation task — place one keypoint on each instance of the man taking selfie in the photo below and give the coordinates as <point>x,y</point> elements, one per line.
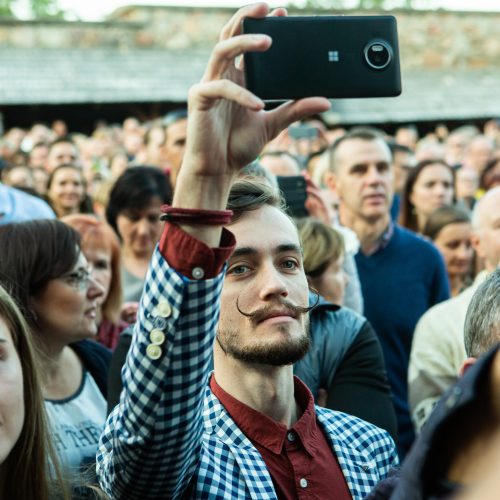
<point>250,430</point>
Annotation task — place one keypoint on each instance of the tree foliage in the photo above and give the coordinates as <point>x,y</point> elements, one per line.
<point>36,8</point>
<point>357,4</point>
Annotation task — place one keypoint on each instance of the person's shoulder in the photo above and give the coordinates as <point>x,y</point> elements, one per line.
<point>411,238</point>
<point>90,349</point>
<point>421,247</point>
<point>335,311</point>
<point>351,428</point>
<point>25,206</point>
<point>334,318</point>
<point>449,307</point>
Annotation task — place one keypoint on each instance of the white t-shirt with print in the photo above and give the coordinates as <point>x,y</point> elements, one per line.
<point>77,423</point>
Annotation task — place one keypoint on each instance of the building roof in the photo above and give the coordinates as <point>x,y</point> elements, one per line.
<point>427,95</point>
<point>114,75</point>
<point>107,75</point>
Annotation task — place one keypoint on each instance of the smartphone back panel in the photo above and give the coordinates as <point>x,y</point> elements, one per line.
<point>327,56</point>
<point>294,190</point>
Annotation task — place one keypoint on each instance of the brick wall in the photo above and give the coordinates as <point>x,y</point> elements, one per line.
<point>428,40</point>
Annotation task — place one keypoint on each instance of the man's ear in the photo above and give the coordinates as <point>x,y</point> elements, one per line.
<point>330,180</point>
<point>467,364</point>
<point>475,240</point>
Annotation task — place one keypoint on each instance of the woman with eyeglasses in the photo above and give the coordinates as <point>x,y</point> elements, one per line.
<point>46,273</point>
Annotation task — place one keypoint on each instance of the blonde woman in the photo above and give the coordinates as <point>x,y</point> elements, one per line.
<point>323,259</point>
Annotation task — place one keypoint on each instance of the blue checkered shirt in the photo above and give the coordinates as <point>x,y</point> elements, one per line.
<point>170,437</point>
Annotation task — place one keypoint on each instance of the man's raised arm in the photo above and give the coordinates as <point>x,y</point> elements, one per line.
<point>152,441</point>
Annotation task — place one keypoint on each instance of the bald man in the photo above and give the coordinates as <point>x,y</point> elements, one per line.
<point>438,350</point>
<point>281,163</point>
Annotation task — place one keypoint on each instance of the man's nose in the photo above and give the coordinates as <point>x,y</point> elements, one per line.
<point>373,175</point>
<point>143,226</point>
<point>271,283</point>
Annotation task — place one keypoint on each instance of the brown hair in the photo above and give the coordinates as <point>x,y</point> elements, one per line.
<point>251,194</point>
<point>97,234</point>
<point>34,253</point>
<point>408,217</point>
<point>32,460</point>
<point>86,203</point>
<point>442,217</point>
<point>321,243</point>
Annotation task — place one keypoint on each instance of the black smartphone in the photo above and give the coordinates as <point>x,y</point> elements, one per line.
<point>327,56</point>
<point>294,189</point>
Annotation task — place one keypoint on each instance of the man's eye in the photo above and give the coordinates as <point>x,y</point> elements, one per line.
<point>358,170</point>
<point>290,264</point>
<point>238,269</point>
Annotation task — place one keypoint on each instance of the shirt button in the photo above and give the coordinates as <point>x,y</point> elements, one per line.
<point>163,309</point>
<point>291,436</point>
<point>157,337</point>
<point>153,351</point>
<point>198,273</point>
<point>303,483</point>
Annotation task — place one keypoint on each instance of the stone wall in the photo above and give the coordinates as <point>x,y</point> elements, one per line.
<point>428,40</point>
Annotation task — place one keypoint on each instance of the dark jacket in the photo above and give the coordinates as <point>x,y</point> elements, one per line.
<point>345,359</point>
<point>457,416</point>
<point>96,359</point>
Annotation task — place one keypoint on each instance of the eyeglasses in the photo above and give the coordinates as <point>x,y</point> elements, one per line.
<point>79,279</point>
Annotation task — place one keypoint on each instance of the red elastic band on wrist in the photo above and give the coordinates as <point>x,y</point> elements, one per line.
<point>196,216</point>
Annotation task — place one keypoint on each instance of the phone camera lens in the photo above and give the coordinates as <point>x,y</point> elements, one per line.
<point>378,54</point>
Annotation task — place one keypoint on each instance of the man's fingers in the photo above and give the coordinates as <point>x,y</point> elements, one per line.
<point>233,26</point>
<point>203,95</point>
<point>226,51</point>
<point>292,111</point>
<point>279,12</point>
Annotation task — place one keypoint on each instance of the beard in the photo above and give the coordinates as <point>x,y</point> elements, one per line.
<point>280,353</point>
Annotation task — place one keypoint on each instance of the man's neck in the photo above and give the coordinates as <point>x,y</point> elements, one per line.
<point>267,389</point>
<point>368,231</point>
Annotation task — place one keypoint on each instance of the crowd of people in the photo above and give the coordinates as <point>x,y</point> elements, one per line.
<point>171,332</point>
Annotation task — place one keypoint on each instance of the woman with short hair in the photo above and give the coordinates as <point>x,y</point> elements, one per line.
<point>133,211</point>
<point>324,252</point>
